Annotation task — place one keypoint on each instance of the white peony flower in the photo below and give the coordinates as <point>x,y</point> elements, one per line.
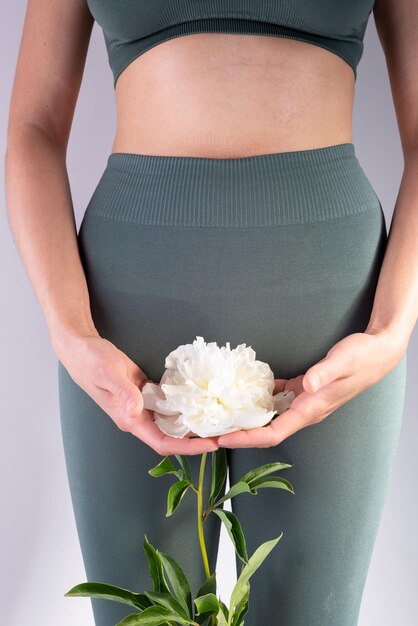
<point>211,390</point>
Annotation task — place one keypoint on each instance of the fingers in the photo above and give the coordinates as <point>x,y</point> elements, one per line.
<point>114,382</point>
<point>140,421</point>
<point>318,375</point>
<point>147,430</point>
<point>337,363</point>
<point>306,409</point>
<point>113,378</point>
<point>142,425</point>
<point>128,413</point>
<point>266,436</point>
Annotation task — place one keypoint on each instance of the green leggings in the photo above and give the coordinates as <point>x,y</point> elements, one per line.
<point>281,251</point>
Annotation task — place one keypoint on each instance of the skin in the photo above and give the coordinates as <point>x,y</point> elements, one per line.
<point>215,95</point>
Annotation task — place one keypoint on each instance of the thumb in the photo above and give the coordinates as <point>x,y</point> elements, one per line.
<point>135,404</point>
<point>127,392</point>
<point>322,373</point>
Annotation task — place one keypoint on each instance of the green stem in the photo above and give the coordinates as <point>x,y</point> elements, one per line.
<point>200,522</point>
<point>199,514</point>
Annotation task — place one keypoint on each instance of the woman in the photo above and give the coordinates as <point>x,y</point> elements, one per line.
<point>232,206</point>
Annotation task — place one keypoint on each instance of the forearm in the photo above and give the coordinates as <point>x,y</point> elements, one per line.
<point>395,307</point>
<point>42,220</point>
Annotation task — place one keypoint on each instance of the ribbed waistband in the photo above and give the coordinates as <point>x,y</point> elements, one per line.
<point>261,190</point>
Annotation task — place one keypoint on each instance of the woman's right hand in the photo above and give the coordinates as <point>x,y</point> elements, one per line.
<point>114,382</point>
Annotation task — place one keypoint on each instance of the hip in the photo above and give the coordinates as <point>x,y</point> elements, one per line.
<point>281,251</point>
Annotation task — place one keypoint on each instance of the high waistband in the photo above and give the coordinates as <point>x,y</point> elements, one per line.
<point>261,190</point>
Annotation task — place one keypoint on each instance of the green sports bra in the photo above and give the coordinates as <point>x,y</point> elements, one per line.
<point>131,27</point>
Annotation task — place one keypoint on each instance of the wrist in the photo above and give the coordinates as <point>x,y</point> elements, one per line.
<point>65,335</point>
<point>392,334</point>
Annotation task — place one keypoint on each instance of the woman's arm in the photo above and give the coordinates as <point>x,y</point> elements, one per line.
<point>48,75</point>
<point>47,80</point>
<point>395,307</point>
<point>361,359</point>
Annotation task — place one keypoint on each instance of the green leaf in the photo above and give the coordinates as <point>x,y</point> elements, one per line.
<point>207,603</point>
<point>271,481</point>
<point>166,467</point>
<point>219,473</point>
<point>241,608</point>
<point>235,531</point>
<point>239,487</point>
<point>209,586</point>
<point>246,482</point>
<point>153,616</point>
<point>168,600</point>
<point>129,620</point>
<point>240,589</point>
<point>109,592</point>
<point>155,567</point>
<point>262,470</point>
<point>223,614</point>
<point>179,582</point>
<point>175,495</point>
<point>185,465</point>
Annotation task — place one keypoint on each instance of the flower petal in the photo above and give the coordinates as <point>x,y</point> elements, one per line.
<point>153,396</point>
<point>152,392</point>
<point>206,429</point>
<point>253,419</point>
<point>171,425</point>
<point>282,400</point>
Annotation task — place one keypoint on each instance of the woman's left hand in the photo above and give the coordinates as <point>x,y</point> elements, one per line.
<point>352,365</point>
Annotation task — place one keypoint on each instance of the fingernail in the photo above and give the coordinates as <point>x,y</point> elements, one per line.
<point>315,382</point>
<point>130,406</point>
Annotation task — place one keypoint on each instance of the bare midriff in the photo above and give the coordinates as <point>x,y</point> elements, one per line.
<point>224,95</point>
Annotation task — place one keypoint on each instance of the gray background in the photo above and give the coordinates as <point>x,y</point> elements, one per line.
<point>40,556</point>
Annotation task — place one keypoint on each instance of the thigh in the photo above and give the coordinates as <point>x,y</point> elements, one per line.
<point>340,467</point>
<point>117,502</point>
<point>340,471</point>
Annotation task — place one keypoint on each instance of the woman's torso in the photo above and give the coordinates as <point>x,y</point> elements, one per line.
<point>230,95</point>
